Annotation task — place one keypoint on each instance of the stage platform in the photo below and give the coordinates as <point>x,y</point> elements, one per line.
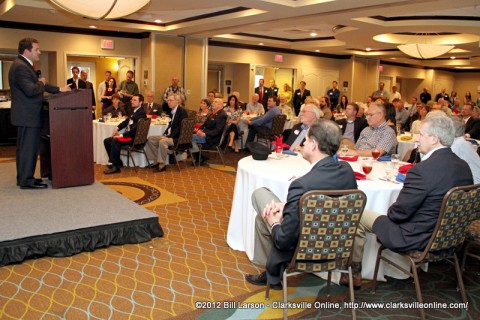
<point>66,221</point>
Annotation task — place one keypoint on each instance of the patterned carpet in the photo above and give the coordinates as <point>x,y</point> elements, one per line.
<point>166,277</point>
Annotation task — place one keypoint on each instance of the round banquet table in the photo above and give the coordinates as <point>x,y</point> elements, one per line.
<point>277,175</point>
<point>102,130</point>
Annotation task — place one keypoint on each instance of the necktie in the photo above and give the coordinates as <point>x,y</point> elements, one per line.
<point>149,111</point>
<point>260,93</point>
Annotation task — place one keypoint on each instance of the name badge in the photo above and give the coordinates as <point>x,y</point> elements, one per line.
<point>296,132</point>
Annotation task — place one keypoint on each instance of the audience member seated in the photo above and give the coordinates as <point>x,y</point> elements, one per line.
<point>391,115</point>
<point>326,109</point>
<point>464,149</point>
<point>472,125</point>
<point>378,135</point>
<point>255,107</point>
<point>210,133</point>
<point>114,144</point>
<point>342,104</point>
<point>151,107</point>
<point>410,221</point>
<point>352,126</point>
<point>285,108</point>
<point>203,113</point>
<point>277,223</point>
<point>308,116</point>
<point>401,114</point>
<point>116,108</point>
<point>108,92</point>
<point>157,146</point>
<point>234,115</point>
<point>263,123</point>
<point>422,113</point>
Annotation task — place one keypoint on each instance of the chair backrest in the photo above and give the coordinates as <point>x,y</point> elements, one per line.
<point>278,123</point>
<point>191,113</point>
<point>460,206</point>
<point>224,133</point>
<point>141,134</point>
<point>328,223</point>
<point>186,131</point>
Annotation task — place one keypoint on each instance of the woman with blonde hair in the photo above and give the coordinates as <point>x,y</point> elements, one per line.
<point>287,92</point>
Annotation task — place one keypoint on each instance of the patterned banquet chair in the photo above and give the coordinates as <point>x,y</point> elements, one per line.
<point>460,205</point>
<point>328,223</point>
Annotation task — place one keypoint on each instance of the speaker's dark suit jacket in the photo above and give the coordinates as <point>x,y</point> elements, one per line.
<point>81,84</point>
<point>411,220</point>
<point>327,174</point>
<point>26,115</point>
<point>266,94</point>
<point>472,127</point>
<point>358,125</point>
<point>176,123</point>
<point>299,99</point>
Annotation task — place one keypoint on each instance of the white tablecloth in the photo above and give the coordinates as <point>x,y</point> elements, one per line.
<point>404,146</point>
<point>102,130</point>
<point>276,175</point>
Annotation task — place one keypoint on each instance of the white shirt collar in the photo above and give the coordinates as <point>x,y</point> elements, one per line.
<point>425,157</point>
<point>30,61</point>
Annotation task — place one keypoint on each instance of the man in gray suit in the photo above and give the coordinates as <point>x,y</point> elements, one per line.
<point>277,223</point>
<point>27,87</point>
<point>410,221</point>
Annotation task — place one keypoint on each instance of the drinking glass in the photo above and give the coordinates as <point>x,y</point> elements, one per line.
<point>344,150</point>
<point>375,154</point>
<point>109,116</point>
<point>388,166</point>
<point>395,160</point>
<point>278,152</point>
<point>163,115</point>
<point>367,166</point>
<point>119,115</point>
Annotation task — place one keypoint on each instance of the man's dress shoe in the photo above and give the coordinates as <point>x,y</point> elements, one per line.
<point>154,165</point>
<point>36,185</point>
<point>261,280</point>
<point>357,280</point>
<point>112,170</point>
<point>36,181</point>
<point>160,169</point>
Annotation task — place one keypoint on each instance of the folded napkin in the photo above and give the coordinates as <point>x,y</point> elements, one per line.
<point>348,158</point>
<point>359,176</point>
<point>154,116</point>
<point>385,158</point>
<point>400,177</point>
<point>403,169</point>
<point>124,139</point>
<point>289,152</point>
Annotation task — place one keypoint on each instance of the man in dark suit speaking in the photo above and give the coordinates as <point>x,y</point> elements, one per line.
<point>27,87</point>
<point>299,97</point>
<point>157,146</point>
<point>410,221</point>
<point>277,223</point>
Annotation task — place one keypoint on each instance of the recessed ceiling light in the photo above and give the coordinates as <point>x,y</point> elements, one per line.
<point>452,57</point>
<point>313,34</point>
<point>158,21</point>
<point>93,27</point>
<point>368,49</point>
<point>260,44</point>
<point>317,50</point>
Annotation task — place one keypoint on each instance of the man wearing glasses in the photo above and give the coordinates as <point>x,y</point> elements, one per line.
<point>378,135</point>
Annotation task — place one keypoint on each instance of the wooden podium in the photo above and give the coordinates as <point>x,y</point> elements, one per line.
<point>70,160</point>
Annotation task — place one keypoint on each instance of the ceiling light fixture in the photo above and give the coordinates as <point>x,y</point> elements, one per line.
<point>158,21</point>
<point>94,9</point>
<point>368,49</point>
<point>425,46</point>
<point>313,34</point>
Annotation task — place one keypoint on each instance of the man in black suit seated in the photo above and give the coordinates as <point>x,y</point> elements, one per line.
<point>299,97</point>
<point>210,133</point>
<point>151,107</point>
<point>410,221</point>
<point>352,125</point>
<point>157,146</point>
<point>75,82</point>
<point>116,108</point>
<point>114,144</point>
<point>308,116</point>
<point>472,125</point>
<point>277,223</point>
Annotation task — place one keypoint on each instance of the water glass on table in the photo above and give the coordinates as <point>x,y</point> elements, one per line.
<point>344,150</point>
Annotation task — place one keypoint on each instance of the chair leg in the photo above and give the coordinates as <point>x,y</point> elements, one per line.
<point>267,291</point>
<point>377,266</point>
<point>221,155</point>
<point>417,287</point>
<point>350,288</point>
<point>459,278</point>
<point>329,281</point>
<point>133,161</point>
<point>146,158</point>
<point>285,295</point>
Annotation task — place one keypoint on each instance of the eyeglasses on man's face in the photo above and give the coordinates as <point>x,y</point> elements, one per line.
<point>371,114</point>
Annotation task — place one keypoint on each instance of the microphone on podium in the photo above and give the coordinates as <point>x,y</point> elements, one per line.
<point>39,74</point>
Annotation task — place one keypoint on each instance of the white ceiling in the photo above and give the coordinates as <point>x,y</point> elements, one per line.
<point>287,24</point>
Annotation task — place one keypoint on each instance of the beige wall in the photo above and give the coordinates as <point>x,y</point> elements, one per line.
<point>195,63</point>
